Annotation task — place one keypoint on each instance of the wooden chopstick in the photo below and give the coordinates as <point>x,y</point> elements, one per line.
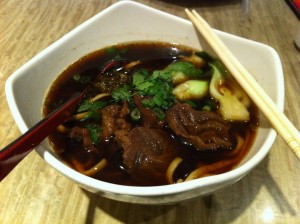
<point>279,121</point>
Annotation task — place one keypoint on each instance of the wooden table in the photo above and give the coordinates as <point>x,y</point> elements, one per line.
<point>36,193</point>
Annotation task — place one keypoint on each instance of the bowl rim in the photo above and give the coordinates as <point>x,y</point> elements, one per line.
<point>51,159</point>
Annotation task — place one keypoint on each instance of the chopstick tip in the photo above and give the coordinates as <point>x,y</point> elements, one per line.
<point>187,10</point>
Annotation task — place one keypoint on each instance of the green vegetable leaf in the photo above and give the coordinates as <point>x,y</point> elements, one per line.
<point>218,65</point>
<point>184,67</point>
<point>205,56</point>
<point>95,132</point>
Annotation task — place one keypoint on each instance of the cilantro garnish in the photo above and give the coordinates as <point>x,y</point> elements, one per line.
<point>92,108</point>
<point>122,93</point>
<point>158,88</point>
<point>95,132</point>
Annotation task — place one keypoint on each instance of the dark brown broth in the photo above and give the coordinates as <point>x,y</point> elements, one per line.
<point>64,86</point>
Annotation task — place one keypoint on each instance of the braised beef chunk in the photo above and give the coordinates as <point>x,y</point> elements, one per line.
<point>147,153</point>
<point>114,117</point>
<point>205,130</point>
<point>82,136</point>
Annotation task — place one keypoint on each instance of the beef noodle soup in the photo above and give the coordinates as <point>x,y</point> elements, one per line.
<point>161,114</point>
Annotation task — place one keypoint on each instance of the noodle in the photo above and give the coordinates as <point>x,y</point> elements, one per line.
<point>77,165</point>
<point>132,64</point>
<point>90,172</point>
<point>212,168</point>
<point>208,169</point>
<point>80,116</point>
<point>99,96</point>
<point>171,169</point>
<point>62,129</point>
<point>239,146</point>
<point>95,169</point>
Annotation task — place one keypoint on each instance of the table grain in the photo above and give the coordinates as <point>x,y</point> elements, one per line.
<point>35,193</point>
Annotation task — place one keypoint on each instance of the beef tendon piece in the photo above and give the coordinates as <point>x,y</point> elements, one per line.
<point>147,153</point>
<point>205,130</point>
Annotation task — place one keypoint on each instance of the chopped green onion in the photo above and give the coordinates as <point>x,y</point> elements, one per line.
<point>135,114</point>
<point>148,103</point>
<point>159,113</point>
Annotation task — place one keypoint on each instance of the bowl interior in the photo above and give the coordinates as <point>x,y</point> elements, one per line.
<point>127,21</point>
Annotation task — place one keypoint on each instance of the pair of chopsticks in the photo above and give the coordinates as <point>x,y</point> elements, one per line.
<point>278,120</point>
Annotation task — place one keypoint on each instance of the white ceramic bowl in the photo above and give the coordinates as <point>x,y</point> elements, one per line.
<point>129,21</point>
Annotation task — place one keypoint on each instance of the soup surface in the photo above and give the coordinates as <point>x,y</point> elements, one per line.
<point>159,114</point>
